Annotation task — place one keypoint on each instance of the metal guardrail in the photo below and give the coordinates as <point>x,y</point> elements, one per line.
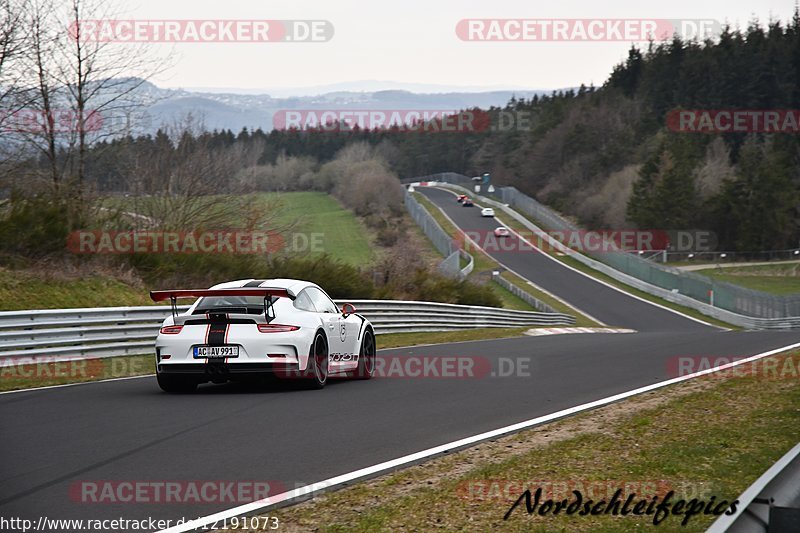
<point>470,266</point>
<point>115,331</point>
<point>771,504</point>
<point>451,265</point>
<point>522,294</point>
<point>674,295</point>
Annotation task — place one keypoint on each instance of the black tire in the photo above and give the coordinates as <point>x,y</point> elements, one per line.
<point>317,368</point>
<point>367,356</point>
<point>176,384</point>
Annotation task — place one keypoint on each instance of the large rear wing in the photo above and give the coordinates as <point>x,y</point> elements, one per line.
<point>265,292</point>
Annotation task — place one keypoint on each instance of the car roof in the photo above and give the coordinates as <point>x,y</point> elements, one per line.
<point>293,285</point>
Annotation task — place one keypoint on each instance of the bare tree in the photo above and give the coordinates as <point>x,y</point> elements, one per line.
<point>186,183</point>
<point>76,80</point>
<point>13,46</point>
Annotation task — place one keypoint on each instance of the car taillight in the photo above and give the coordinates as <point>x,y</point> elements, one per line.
<point>276,328</point>
<point>171,330</point>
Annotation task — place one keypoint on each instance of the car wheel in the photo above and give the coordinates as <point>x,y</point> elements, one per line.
<point>176,384</point>
<point>367,355</point>
<point>317,367</point>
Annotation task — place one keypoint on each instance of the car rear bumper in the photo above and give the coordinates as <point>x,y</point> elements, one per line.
<point>220,370</point>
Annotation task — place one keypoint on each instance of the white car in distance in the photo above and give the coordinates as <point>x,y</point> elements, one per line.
<point>487,212</point>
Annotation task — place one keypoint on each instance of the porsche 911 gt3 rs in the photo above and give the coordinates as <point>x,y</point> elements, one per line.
<point>252,328</point>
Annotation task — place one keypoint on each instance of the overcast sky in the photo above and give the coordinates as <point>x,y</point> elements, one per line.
<point>414,41</point>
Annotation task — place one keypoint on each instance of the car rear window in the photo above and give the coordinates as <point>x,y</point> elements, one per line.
<point>232,304</point>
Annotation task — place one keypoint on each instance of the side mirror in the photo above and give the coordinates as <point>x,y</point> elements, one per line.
<point>348,309</point>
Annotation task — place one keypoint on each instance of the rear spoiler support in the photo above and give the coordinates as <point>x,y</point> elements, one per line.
<point>267,308</point>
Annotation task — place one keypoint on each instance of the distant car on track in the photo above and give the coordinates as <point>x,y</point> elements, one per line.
<point>466,202</point>
<point>501,232</point>
<point>254,328</point>
<point>487,212</point>
<point>461,198</point>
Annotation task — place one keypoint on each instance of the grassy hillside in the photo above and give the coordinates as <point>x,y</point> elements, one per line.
<point>319,223</point>
<point>341,234</point>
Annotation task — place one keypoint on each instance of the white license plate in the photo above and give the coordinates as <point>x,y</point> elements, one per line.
<point>216,351</point>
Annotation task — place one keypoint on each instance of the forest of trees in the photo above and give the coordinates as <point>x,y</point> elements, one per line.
<point>603,155</point>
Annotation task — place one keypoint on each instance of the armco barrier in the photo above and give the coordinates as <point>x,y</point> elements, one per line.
<point>770,504</point>
<point>748,322</point>
<point>450,266</point>
<point>116,331</point>
<point>522,294</point>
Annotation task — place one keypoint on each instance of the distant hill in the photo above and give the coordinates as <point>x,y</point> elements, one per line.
<point>235,110</point>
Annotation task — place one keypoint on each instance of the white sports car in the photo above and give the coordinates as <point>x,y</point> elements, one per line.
<point>251,328</point>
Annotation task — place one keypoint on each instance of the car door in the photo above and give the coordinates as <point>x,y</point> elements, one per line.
<point>335,328</point>
<point>349,328</point>
<point>354,325</point>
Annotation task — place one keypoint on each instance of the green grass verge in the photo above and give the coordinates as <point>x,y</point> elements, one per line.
<point>394,340</point>
<point>25,290</point>
<point>436,213</point>
<point>13,377</point>
<point>702,438</point>
<point>775,279</point>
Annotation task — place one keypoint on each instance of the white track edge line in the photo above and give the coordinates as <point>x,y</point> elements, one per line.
<point>436,450</point>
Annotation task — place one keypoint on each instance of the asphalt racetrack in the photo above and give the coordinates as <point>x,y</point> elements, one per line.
<point>56,441</point>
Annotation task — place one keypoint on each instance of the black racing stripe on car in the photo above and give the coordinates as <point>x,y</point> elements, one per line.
<point>254,283</point>
<point>218,325</point>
